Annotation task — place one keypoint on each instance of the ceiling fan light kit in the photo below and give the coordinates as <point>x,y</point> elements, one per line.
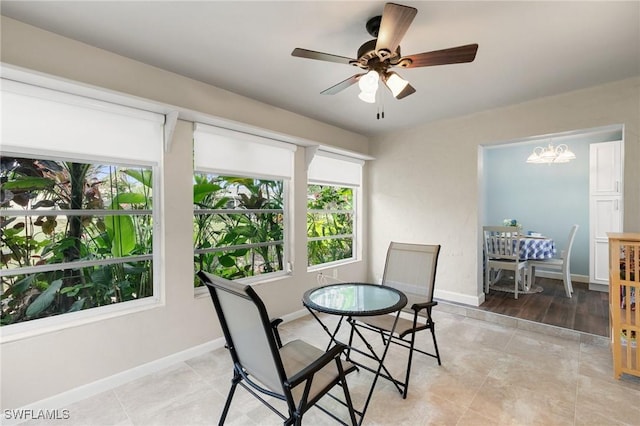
<point>395,83</point>
<point>377,56</point>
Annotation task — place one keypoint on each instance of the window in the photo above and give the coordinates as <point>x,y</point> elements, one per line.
<point>241,186</point>
<point>76,218</point>
<point>330,217</point>
<point>332,191</point>
<point>238,225</point>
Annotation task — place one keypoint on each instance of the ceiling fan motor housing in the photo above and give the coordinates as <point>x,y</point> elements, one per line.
<point>370,58</point>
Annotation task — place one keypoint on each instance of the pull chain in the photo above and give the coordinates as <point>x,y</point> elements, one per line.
<point>380,104</point>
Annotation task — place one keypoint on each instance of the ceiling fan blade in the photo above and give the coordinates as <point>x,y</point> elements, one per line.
<point>396,20</point>
<point>409,90</point>
<point>312,54</point>
<point>342,85</point>
<point>453,55</point>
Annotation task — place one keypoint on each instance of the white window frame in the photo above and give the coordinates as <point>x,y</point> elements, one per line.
<point>49,89</point>
<point>333,169</point>
<point>267,159</point>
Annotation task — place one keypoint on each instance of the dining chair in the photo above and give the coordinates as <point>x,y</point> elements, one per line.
<point>502,252</point>
<point>563,264</point>
<point>410,268</point>
<point>297,373</point>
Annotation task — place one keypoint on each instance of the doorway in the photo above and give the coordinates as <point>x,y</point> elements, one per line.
<point>549,199</point>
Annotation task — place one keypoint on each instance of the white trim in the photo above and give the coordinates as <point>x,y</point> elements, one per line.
<point>541,272</point>
<point>27,329</point>
<point>171,119</point>
<point>451,296</point>
<point>80,393</point>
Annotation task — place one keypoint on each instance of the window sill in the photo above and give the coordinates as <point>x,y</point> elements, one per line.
<point>330,265</point>
<point>201,291</point>
<point>34,328</point>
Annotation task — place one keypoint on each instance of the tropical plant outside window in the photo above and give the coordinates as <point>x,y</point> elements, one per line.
<point>330,223</point>
<point>75,236</point>
<point>238,225</point>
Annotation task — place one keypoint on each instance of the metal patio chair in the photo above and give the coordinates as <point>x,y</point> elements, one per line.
<point>410,268</point>
<point>297,373</point>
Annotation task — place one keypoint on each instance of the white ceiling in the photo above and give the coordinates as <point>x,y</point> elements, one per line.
<point>526,49</point>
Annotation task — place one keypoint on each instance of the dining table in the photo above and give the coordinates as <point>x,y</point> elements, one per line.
<point>354,299</point>
<point>532,247</point>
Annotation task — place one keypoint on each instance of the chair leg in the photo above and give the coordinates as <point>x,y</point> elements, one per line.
<point>568,287</point>
<point>347,394</point>
<point>516,275</point>
<point>234,382</point>
<point>435,344</point>
<point>406,377</point>
<point>531,276</point>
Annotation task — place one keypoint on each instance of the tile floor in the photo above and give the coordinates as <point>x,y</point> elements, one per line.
<point>495,371</point>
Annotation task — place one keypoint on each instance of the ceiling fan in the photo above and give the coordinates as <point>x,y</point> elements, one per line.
<point>376,57</point>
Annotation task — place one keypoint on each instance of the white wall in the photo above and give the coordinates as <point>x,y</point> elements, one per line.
<point>424,183</point>
<point>41,366</point>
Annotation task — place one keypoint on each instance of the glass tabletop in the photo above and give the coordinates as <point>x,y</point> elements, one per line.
<point>354,299</point>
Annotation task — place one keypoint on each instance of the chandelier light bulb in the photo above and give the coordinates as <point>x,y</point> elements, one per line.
<point>551,154</point>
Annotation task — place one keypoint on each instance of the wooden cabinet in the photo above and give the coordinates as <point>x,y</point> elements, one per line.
<point>624,292</point>
<point>605,207</point>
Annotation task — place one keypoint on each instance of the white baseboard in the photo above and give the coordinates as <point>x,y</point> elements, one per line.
<point>294,315</point>
<point>558,276</point>
<point>451,296</point>
<point>599,287</point>
<point>71,396</point>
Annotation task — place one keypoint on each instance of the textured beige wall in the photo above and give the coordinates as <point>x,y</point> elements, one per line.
<point>424,183</point>
<point>45,365</point>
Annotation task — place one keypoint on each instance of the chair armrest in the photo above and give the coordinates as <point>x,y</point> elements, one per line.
<point>274,328</point>
<point>426,305</point>
<point>315,366</point>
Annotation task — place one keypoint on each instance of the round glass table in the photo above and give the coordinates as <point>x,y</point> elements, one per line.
<point>354,299</point>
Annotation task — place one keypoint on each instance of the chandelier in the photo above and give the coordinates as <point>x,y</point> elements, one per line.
<point>551,154</point>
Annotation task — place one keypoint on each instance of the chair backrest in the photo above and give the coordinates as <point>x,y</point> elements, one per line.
<point>411,268</point>
<point>247,330</point>
<point>502,242</point>
<point>566,253</point>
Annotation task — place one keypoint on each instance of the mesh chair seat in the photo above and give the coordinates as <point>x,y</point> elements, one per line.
<point>297,355</point>
<point>385,323</point>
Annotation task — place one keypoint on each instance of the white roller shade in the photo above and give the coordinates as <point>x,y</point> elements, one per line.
<point>225,151</point>
<point>335,169</point>
<point>43,121</point>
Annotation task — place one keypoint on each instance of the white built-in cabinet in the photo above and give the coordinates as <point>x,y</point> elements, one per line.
<point>605,206</point>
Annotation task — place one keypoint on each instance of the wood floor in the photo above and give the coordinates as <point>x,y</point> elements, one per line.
<point>586,311</point>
